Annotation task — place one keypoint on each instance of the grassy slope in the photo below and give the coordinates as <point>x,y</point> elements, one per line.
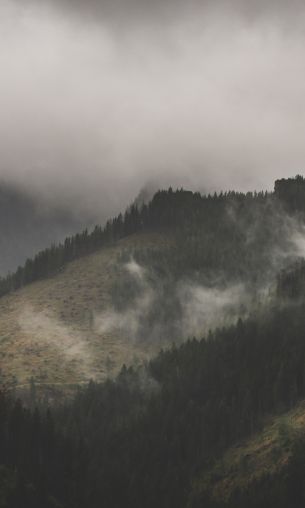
<point>266,453</point>
<point>47,329</point>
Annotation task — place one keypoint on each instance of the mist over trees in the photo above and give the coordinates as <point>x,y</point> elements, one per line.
<point>156,360</point>
<point>147,437</point>
<point>232,234</point>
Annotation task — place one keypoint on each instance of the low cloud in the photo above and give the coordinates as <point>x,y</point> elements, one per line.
<point>197,309</point>
<point>128,321</point>
<point>208,308</point>
<point>99,97</point>
<point>44,331</point>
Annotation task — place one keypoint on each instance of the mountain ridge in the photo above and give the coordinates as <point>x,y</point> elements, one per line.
<point>196,262</point>
<point>165,365</point>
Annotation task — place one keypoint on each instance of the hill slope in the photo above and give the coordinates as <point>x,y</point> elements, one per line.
<point>257,470</point>
<point>49,329</point>
<point>74,313</point>
<point>186,428</point>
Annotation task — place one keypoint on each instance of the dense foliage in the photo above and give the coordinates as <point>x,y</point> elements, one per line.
<point>228,233</point>
<point>291,192</point>
<point>291,281</point>
<point>139,441</point>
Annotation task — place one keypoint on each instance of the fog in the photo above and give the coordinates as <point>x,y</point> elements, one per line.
<point>98,98</point>
<point>197,309</point>
<point>48,336</point>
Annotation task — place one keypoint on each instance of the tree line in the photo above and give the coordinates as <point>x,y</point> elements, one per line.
<point>231,232</point>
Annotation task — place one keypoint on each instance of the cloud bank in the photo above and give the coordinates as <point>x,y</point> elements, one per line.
<point>99,97</point>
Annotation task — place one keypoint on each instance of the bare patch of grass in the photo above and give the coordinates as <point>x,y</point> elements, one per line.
<point>46,328</point>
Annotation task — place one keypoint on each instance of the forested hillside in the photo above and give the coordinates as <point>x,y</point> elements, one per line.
<point>143,439</point>
<point>216,284</point>
<point>160,273</point>
<point>230,233</point>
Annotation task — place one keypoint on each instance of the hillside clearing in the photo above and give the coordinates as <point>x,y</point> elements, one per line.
<point>47,329</point>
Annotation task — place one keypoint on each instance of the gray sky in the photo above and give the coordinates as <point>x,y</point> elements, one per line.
<point>98,97</point>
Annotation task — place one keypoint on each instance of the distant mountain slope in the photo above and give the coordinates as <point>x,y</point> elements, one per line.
<point>235,235</point>
<point>27,225</point>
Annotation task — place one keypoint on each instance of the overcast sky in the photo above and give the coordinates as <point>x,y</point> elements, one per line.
<point>99,97</point>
